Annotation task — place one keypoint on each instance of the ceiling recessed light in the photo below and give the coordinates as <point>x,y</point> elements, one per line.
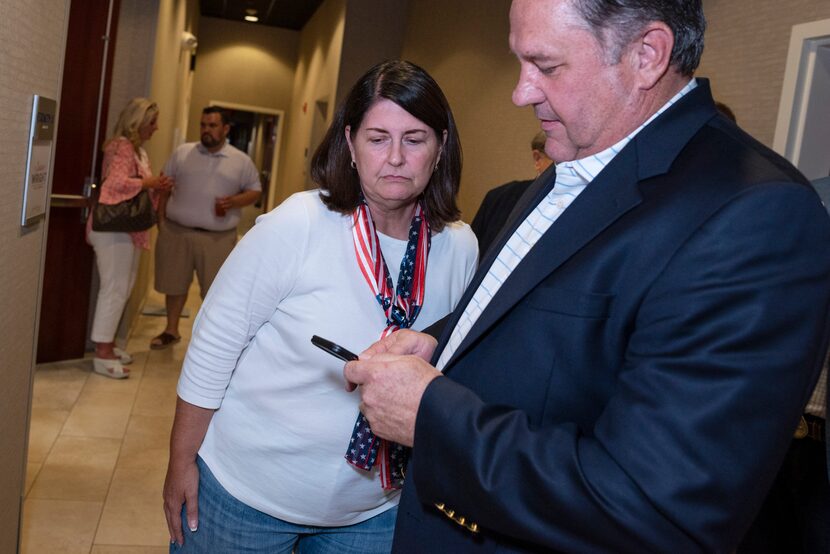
<point>251,18</point>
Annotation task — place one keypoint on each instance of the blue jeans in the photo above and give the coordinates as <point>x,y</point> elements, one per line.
<point>227,526</point>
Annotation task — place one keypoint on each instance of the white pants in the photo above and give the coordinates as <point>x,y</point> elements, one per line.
<point>117,259</point>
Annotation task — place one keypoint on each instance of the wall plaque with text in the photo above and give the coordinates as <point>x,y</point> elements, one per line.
<point>39,159</point>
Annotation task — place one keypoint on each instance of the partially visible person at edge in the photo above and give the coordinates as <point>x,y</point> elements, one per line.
<point>795,516</point>
<point>726,111</point>
<point>126,172</point>
<point>499,202</point>
<point>627,373</point>
<point>198,227</point>
<point>263,422</point>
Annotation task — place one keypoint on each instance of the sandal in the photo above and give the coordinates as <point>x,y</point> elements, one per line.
<point>163,341</point>
<point>123,356</point>
<point>110,368</point>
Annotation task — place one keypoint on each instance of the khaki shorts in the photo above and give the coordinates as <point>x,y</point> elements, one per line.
<point>182,250</point>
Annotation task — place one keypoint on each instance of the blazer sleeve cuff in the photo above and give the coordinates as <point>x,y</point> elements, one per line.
<point>440,407</point>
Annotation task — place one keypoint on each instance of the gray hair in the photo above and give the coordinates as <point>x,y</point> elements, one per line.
<point>616,22</point>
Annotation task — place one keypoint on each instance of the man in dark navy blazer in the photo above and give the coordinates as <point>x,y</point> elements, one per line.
<point>627,368</point>
<point>499,202</point>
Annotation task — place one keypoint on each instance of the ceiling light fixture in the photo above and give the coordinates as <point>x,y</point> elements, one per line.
<point>251,18</point>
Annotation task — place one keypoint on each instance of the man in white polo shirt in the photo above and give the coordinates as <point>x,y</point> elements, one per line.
<point>214,181</point>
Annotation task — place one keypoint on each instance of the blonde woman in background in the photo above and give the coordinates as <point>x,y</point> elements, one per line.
<point>126,172</point>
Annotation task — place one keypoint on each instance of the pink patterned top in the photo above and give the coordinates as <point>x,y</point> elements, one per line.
<point>124,169</point>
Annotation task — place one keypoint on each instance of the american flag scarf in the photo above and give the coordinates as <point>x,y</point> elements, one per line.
<point>400,306</point>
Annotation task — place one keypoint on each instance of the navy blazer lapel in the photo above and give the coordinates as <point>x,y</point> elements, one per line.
<point>527,202</point>
<point>608,197</point>
<point>611,194</point>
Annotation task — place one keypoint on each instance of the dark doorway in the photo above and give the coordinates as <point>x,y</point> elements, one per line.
<point>69,260</point>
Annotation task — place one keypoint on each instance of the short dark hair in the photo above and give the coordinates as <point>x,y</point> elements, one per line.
<point>726,110</point>
<point>411,88</point>
<point>538,142</point>
<point>616,22</point>
<point>223,114</point>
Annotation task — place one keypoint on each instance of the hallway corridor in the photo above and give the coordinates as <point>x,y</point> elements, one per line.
<point>98,450</point>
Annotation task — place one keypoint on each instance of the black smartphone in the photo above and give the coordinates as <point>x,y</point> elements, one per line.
<point>334,349</point>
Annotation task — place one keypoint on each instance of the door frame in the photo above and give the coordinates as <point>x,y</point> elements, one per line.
<point>805,40</point>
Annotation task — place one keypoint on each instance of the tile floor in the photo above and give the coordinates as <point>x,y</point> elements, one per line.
<point>98,450</point>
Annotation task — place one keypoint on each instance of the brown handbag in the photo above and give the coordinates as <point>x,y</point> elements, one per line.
<point>131,215</point>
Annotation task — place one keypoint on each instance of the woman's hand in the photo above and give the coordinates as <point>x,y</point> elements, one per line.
<point>181,487</point>
<point>159,182</point>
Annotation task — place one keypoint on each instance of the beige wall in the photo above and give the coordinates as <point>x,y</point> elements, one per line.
<point>463,45</point>
<point>242,63</point>
<point>316,78</point>
<point>34,35</point>
<point>171,79</point>
<point>132,64</point>
<point>363,19</point>
<point>745,54</point>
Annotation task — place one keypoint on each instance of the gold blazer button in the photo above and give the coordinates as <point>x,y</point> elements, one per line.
<point>802,429</point>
